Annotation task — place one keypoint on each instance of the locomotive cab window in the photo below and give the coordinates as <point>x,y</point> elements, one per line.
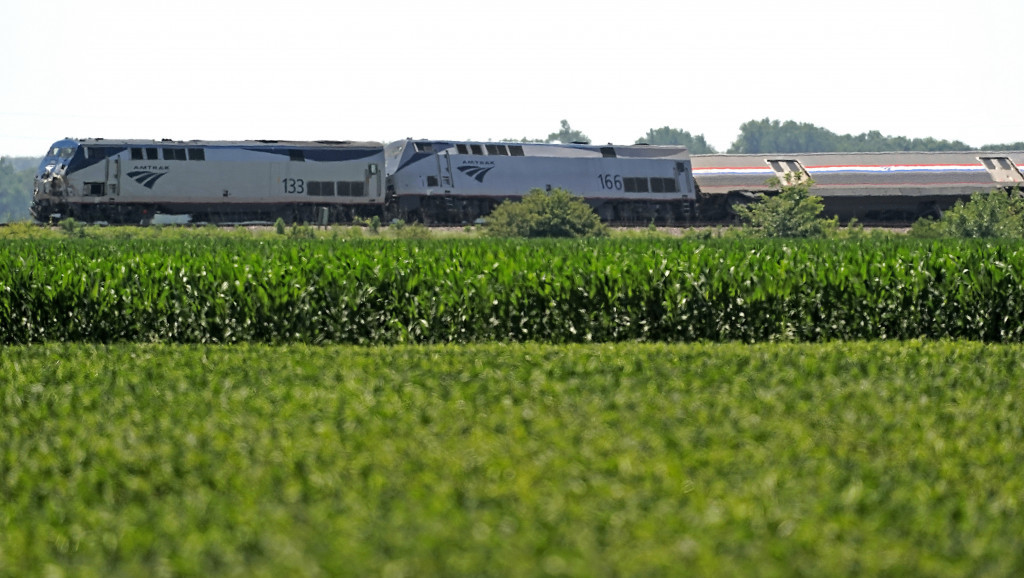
<point>516,150</point>
<point>196,154</point>
<point>476,149</point>
<point>137,154</point>
<point>462,149</point>
<point>297,156</point>
<point>497,149</point>
<point>424,147</point>
<point>608,152</point>
<point>152,154</point>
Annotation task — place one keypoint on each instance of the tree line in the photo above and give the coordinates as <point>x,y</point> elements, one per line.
<point>768,136</point>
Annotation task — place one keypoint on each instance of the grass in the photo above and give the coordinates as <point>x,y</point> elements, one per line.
<point>837,459</point>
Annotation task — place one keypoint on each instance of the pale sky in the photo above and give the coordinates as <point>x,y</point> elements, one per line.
<point>460,69</point>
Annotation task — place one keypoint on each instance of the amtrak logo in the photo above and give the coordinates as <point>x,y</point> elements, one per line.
<point>477,173</point>
<point>146,178</point>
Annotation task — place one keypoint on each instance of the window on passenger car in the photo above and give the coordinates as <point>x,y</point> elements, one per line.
<point>196,154</point>
<point>1002,169</point>
<point>783,166</point>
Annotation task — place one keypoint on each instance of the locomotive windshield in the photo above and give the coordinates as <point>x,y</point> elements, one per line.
<point>59,152</point>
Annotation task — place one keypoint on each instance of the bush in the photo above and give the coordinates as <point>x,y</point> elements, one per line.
<point>986,216</point>
<point>794,212</point>
<point>302,232</point>
<point>555,213</point>
<point>72,228</point>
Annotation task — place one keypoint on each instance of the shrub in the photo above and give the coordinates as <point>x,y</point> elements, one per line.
<point>279,226</point>
<point>794,212</point>
<point>414,231</point>
<point>986,216</point>
<point>555,213</point>
<point>72,228</point>
<point>302,232</point>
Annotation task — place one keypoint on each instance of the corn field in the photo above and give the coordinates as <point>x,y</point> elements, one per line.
<point>465,291</point>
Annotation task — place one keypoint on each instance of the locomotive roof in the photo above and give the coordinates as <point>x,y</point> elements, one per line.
<point>540,149</point>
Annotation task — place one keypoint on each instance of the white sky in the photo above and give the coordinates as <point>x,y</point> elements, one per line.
<point>462,69</point>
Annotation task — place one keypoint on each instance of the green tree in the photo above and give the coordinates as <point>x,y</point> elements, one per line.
<point>555,213</point>
<point>567,134</point>
<point>673,136</point>
<point>794,212</point>
<point>773,136</point>
<point>1017,146</point>
<point>15,191</point>
<point>996,214</point>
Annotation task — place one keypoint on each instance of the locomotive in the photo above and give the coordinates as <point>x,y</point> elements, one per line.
<point>447,181</point>
<point>130,181</point>
<point>441,181</point>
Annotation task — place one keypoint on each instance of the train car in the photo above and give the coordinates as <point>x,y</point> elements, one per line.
<point>460,181</point>
<point>871,187</point>
<point>130,181</point>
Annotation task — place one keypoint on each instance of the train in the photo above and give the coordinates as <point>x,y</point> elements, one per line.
<point>457,182</point>
<point>891,187</point>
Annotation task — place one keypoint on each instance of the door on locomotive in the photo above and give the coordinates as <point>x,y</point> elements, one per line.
<point>442,179</point>
<point>374,185</point>
<point>107,183</point>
